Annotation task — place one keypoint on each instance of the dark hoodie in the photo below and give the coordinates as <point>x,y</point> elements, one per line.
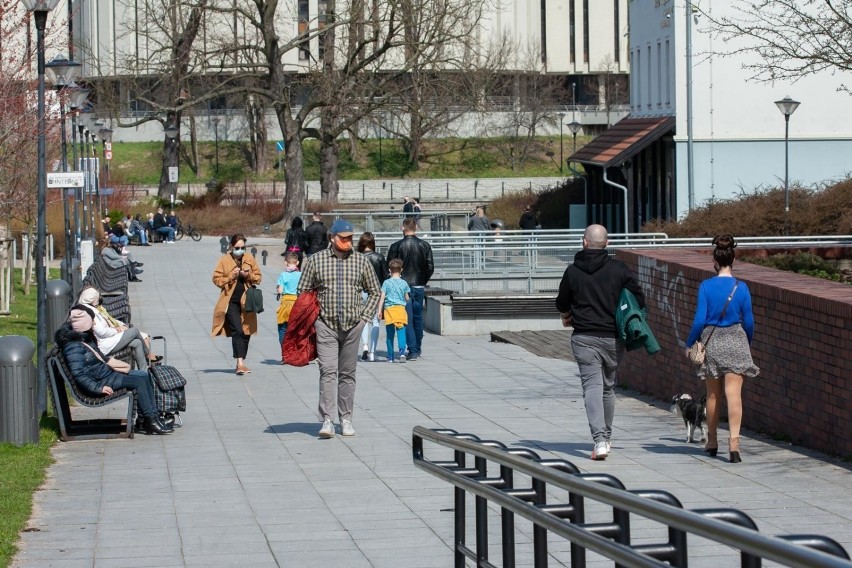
<point>89,372</point>
<point>590,289</point>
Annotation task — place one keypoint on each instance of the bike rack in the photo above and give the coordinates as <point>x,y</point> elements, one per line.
<point>612,539</point>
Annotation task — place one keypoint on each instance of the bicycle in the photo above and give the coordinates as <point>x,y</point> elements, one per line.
<point>193,233</point>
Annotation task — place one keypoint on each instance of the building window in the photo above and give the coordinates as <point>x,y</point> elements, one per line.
<point>303,17</point>
<point>585,31</point>
<point>659,74</point>
<point>616,55</point>
<point>543,10</point>
<point>572,30</point>
<point>636,72</point>
<point>668,74</point>
<point>650,69</point>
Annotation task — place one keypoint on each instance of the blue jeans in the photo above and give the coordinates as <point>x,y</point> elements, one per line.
<point>140,382</point>
<point>143,237</point>
<point>390,331</point>
<point>414,329</point>
<point>167,232</point>
<point>282,330</point>
<point>598,359</point>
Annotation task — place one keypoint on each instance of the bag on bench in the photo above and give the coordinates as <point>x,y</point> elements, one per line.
<point>169,388</point>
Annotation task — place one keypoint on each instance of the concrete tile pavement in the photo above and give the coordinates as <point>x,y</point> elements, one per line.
<point>246,482</point>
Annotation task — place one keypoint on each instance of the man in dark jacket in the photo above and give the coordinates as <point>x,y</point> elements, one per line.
<point>588,299</point>
<point>527,221</point>
<point>417,269</point>
<point>161,225</point>
<point>317,235</point>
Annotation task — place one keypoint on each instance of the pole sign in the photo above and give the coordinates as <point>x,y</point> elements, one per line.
<point>108,150</point>
<point>280,145</point>
<point>173,174</point>
<point>65,179</point>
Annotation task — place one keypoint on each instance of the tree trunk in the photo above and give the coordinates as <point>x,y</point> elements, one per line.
<point>170,159</point>
<point>295,198</point>
<point>256,114</point>
<point>416,142</point>
<point>329,161</point>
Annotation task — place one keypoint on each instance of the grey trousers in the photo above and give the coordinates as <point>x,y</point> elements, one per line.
<point>133,338</point>
<point>337,356</point>
<point>598,359</point>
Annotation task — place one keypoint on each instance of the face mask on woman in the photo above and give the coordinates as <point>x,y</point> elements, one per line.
<point>238,252</point>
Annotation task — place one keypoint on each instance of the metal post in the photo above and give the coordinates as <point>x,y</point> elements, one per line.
<point>786,174</point>
<point>41,226</point>
<point>561,153</point>
<point>76,167</point>
<point>690,158</point>
<point>65,210</point>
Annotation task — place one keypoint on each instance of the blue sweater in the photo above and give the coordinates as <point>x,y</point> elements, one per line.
<point>712,295</point>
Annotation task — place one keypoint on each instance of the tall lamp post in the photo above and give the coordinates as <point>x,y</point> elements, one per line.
<point>63,73</point>
<point>215,120</point>
<point>78,96</point>
<point>40,8</point>
<point>561,154</point>
<point>574,127</point>
<point>787,106</point>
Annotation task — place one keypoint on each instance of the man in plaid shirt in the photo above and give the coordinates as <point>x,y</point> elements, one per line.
<point>340,274</point>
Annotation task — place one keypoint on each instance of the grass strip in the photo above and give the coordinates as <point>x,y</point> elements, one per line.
<point>22,469</point>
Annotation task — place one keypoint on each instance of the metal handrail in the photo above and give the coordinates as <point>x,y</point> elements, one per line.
<point>609,541</point>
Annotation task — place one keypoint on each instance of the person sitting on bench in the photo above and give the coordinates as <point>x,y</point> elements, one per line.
<point>114,335</point>
<point>136,229</point>
<point>111,253</point>
<point>90,372</point>
<point>161,225</point>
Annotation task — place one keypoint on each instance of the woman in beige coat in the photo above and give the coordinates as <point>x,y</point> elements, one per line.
<point>236,271</point>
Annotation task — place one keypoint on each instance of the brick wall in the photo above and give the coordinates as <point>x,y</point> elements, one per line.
<point>802,344</point>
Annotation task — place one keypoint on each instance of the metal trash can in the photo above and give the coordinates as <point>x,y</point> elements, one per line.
<point>18,391</point>
<point>58,303</point>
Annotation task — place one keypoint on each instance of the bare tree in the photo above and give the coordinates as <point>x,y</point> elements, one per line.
<point>533,97</point>
<point>792,38</point>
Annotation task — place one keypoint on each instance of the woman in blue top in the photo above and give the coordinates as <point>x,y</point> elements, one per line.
<point>728,355</point>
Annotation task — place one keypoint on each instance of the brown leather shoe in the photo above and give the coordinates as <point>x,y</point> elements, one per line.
<point>242,370</point>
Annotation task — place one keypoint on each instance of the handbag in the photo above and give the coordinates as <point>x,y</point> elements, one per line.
<point>118,365</point>
<point>254,300</point>
<point>698,351</point>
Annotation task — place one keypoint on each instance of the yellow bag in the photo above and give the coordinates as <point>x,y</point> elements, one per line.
<point>285,307</point>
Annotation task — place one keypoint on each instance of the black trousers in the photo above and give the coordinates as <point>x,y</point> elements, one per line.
<point>239,340</point>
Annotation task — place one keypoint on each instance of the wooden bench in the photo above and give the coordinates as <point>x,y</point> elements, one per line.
<point>543,305</point>
<point>112,284</point>
<point>69,429</point>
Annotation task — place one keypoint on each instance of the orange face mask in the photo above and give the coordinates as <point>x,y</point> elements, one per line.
<point>342,244</point>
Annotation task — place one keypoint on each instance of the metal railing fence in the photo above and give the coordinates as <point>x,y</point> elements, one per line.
<point>525,485</point>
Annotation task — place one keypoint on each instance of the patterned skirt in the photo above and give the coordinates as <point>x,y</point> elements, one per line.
<point>727,352</point>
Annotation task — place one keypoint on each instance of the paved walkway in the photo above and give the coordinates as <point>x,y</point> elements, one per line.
<point>247,483</point>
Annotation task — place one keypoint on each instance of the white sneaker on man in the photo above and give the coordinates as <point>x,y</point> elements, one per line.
<point>346,428</point>
<point>327,430</point>
<point>601,451</point>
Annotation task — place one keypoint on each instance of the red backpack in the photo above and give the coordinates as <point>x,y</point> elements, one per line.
<point>300,342</point>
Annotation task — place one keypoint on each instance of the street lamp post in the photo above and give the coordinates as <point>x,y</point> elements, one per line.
<point>381,129</point>
<point>574,127</point>
<point>93,133</point>
<point>215,121</point>
<point>40,8</point>
<point>561,155</point>
<point>787,106</point>
<point>63,73</point>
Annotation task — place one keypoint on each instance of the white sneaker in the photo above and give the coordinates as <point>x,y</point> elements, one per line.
<point>601,451</point>
<point>327,430</point>
<point>372,356</point>
<point>608,447</point>
<point>346,428</point>
<point>402,357</point>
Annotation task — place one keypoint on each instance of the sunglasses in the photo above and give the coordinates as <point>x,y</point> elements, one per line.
<point>239,248</point>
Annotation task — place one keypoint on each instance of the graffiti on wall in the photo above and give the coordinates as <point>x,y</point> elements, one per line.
<point>663,289</point>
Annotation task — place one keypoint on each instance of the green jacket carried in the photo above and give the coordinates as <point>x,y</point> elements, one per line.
<point>633,328</point>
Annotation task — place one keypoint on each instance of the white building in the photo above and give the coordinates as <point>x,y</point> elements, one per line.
<point>737,130</point>
<point>580,45</point>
